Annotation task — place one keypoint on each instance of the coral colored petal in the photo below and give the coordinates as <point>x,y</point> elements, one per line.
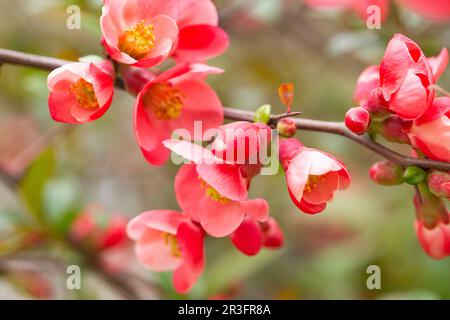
<point>201,42</point>
<point>185,276</point>
<point>154,253</point>
<point>297,175</point>
<point>219,219</point>
<point>411,99</point>
<point>307,207</point>
<point>248,238</point>
<point>324,190</point>
<point>439,64</point>
<point>193,12</point>
<point>273,237</point>
<point>161,220</point>
<point>226,179</point>
<point>190,240</point>
<point>188,190</point>
<point>258,209</point>
<point>200,103</point>
<point>436,10</point>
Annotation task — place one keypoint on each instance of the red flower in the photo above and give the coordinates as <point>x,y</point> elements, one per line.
<point>431,132</point>
<point>405,77</point>
<point>168,241</point>
<point>80,92</point>
<point>252,235</point>
<point>144,33</point>
<point>312,176</point>
<point>174,100</point>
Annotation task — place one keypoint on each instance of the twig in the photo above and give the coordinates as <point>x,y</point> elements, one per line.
<point>47,63</point>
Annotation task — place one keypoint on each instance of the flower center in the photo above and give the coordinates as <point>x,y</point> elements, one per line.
<point>138,40</point>
<point>165,101</point>
<point>171,240</point>
<point>212,193</point>
<point>312,182</point>
<point>85,94</point>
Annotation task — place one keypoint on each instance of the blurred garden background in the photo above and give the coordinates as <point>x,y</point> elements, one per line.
<point>272,41</point>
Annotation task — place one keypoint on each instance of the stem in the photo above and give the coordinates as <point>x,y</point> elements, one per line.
<point>47,63</point>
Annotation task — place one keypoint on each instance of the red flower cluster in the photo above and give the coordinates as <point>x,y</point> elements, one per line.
<point>397,100</point>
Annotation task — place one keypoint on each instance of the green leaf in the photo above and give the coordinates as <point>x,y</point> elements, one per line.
<point>33,182</point>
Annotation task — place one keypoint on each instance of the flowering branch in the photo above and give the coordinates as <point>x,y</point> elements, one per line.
<point>48,63</point>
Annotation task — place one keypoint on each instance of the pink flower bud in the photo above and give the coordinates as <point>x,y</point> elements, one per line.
<point>393,129</point>
<point>386,173</point>
<point>432,223</point>
<point>439,184</point>
<point>357,120</point>
<point>287,127</point>
<point>135,79</point>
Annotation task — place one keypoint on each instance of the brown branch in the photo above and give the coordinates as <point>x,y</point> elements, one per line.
<point>47,63</point>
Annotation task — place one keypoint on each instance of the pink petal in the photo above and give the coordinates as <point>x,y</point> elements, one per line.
<point>160,220</point>
<point>185,276</point>
<point>257,209</point>
<point>226,179</point>
<point>218,219</point>
<point>154,253</point>
<point>188,190</point>
<point>194,12</point>
<point>436,10</point>
<point>324,190</point>
<point>439,64</point>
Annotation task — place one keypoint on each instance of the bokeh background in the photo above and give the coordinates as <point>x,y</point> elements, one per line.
<point>272,41</point>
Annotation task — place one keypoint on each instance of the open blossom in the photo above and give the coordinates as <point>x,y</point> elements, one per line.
<point>312,176</point>
<point>169,241</point>
<point>173,100</point>
<point>80,92</point>
<point>431,132</point>
<point>436,10</point>
<point>216,206</point>
<point>144,33</point>
<point>213,192</point>
<point>252,235</point>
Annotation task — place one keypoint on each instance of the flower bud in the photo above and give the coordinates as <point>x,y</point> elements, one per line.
<point>414,175</point>
<point>357,120</point>
<point>432,224</point>
<point>386,173</point>
<point>287,127</point>
<point>439,184</point>
<point>262,114</point>
<point>135,79</point>
<point>393,129</point>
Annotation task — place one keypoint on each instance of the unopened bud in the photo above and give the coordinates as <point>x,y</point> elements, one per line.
<point>393,129</point>
<point>135,79</point>
<point>262,114</point>
<point>287,127</point>
<point>439,184</point>
<point>357,120</point>
<point>386,173</point>
<point>414,175</point>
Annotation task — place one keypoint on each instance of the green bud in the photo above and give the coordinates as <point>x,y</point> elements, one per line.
<point>414,175</point>
<point>262,114</point>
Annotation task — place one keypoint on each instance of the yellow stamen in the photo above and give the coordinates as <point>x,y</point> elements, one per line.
<point>85,94</point>
<point>213,193</point>
<point>138,40</point>
<point>165,101</point>
<point>312,182</point>
<point>171,240</point>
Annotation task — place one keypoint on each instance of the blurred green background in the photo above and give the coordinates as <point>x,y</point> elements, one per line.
<point>272,41</point>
